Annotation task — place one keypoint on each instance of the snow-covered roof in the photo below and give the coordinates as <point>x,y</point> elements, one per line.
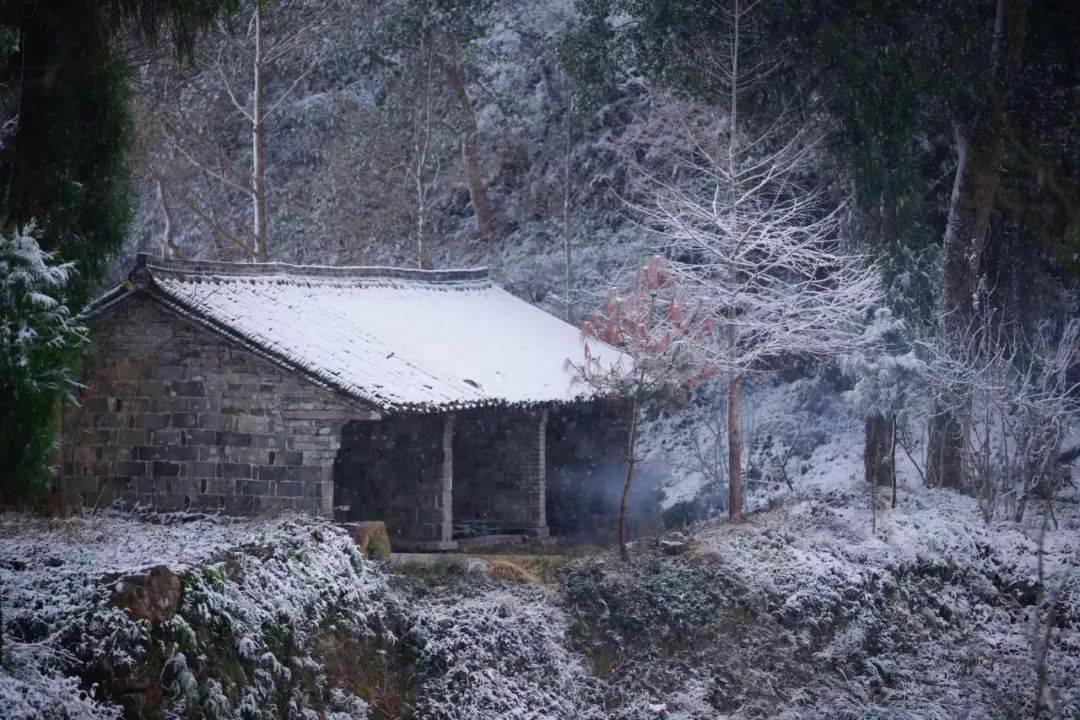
<point>394,338</point>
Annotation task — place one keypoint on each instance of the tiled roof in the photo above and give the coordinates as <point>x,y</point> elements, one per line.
<point>397,339</point>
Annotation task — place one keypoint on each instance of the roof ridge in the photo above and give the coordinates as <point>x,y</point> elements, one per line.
<point>218,268</point>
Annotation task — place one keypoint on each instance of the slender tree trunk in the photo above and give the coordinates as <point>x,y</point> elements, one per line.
<point>877,457</point>
<point>420,210</point>
<point>169,248</point>
<point>569,302</point>
<point>735,383</point>
<point>470,149</point>
<point>980,151</point>
<point>22,202</point>
<point>631,461</point>
<point>734,449</point>
<point>64,499</point>
<point>258,158</point>
<point>892,456</point>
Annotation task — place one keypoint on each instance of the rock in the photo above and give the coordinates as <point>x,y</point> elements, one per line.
<point>674,544</point>
<point>154,596</point>
<point>476,565</point>
<point>371,537</point>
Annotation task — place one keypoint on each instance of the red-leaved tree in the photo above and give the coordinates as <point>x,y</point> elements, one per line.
<point>659,338</point>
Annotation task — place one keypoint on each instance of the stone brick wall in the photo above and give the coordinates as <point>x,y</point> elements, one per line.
<point>399,469</point>
<point>174,416</point>
<point>500,469</point>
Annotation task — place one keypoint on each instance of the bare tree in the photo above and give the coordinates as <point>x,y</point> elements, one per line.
<point>1013,393</point>
<point>754,245</point>
<point>187,161</point>
<point>980,147</point>
<point>450,61</point>
<point>758,248</point>
<point>426,163</point>
<point>404,34</point>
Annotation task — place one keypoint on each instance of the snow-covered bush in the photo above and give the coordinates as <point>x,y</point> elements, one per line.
<point>498,653</point>
<point>38,334</point>
<point>889,378</point>
<point>258,599</point>
<point>250,623</point>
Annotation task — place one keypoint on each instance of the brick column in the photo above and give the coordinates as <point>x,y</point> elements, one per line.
<point>534,466</point>
<point>443,518</point>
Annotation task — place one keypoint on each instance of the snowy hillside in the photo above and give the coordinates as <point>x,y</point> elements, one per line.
<point>805,610</point>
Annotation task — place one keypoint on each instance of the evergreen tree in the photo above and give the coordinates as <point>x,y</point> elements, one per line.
<point>67,95</point>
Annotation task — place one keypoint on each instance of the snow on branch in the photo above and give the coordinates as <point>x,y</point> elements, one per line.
<point>1013,389</point>
<point>36,325</point>
<point>750,243</point>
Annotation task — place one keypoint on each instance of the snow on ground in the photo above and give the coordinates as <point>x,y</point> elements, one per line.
<point>809,414</point>
<point>265,602</point>
<point>505,655</point>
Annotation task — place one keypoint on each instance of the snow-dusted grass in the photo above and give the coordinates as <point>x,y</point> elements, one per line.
<point>500,652</point>
<point>266,604</point>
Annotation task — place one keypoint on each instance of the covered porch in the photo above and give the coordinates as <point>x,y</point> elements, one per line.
<point>440,477</point>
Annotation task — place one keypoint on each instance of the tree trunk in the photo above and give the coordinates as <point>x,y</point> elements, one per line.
<point>734,450</point>
<point>735,383</point>
<point>878,455</point>
<point>470,149</point>
<point>892,455</point>
<point>568,303</point>
<point>258,159</point>
<point>63,499</point>
<point>980,151</point>
<point>25,198</point>
<point>630,463</point>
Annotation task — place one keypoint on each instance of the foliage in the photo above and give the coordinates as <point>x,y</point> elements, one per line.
<point>39,338</point>
<point>917,68</point>
<point>657,334</point>
<point>890,379</point>
<point>658,338</point>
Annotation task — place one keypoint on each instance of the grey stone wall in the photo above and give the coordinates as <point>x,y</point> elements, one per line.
<point>174,416</point>
<point>399,469</point>
<point>500,470</point>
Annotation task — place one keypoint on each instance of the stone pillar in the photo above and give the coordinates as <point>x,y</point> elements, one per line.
<point>443,518</point>
<point>534,468</point>
<point>426,508</point>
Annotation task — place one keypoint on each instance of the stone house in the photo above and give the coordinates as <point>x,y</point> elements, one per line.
<point>428,399</point>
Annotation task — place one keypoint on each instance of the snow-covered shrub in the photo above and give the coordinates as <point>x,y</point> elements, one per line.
<point>250,623</point>
<point>889,380</point>
<point>258,597</point>
<point>25,692</point>
<point>499,653</point>
<point>37,337</point>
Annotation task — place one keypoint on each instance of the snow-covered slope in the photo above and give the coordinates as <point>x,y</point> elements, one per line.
<point>813,608</point>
